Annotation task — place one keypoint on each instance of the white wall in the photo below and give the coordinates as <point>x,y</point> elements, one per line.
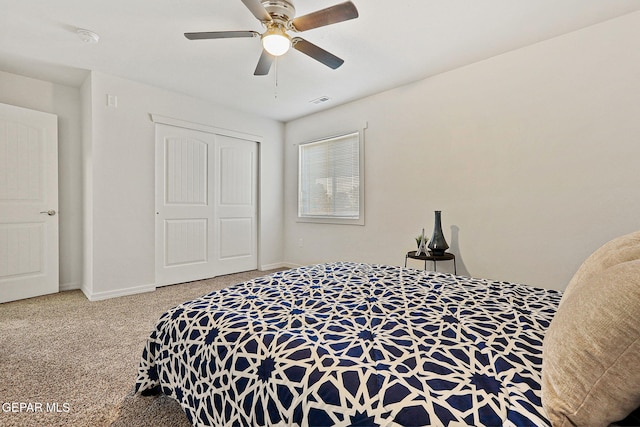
<point>531,155</point>
<point>106,173</point>
<point>64,101</point>
<point>121,161</point>
<point>87,185</point>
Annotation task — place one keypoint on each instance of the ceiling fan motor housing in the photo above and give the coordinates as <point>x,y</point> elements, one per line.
<point>280,9</point>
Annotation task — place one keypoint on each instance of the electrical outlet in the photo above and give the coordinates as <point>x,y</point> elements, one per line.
<point>300,242</point>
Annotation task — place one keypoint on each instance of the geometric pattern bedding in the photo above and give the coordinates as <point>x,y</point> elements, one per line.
<point>348,344</point>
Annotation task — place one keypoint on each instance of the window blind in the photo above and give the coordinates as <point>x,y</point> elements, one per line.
<point>329,178</point>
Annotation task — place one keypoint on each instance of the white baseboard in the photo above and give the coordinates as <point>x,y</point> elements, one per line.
<point>274,266</point>
<point>99,296</point>
<point>72,286</point>
<point>291,265</point>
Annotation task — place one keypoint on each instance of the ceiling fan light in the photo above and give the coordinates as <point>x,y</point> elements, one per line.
<point>276,43</point>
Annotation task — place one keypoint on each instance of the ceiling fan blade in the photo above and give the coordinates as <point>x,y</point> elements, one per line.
<point>220,35</point>
<point>264,64</point>
<point>331,15</point>
<point>317,53</point>
<point>258,10</point>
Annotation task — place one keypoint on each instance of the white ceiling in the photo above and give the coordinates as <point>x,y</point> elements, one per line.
<point>392,43</point>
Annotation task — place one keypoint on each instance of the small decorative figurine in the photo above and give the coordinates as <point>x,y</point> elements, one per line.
<point>422,247</point>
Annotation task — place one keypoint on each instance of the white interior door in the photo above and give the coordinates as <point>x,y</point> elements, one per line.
<point>236,201</point>
<point>202,229</point>
<point>28,203</point>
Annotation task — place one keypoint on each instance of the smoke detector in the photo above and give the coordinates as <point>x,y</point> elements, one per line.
<point>87,36</point>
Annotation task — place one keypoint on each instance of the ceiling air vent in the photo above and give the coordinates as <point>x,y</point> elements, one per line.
<point>320,100</point>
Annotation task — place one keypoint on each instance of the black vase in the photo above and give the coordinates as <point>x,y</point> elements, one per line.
<point>438,244</point>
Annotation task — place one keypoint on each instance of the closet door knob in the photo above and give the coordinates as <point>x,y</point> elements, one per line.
<point>50,212</point>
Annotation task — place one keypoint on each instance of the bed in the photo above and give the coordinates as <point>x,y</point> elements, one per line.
<point>351,344</point>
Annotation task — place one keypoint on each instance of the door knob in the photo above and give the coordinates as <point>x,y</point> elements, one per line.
<point>50,212</point>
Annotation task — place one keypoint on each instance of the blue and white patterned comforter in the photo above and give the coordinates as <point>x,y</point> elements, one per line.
<point>348,344</point>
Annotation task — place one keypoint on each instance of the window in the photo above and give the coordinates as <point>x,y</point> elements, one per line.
<point>330,180</point>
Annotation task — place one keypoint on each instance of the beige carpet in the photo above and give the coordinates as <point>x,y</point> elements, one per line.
<point>66,361</point>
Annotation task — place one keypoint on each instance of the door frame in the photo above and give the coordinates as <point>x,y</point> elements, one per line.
<point>164,120</point>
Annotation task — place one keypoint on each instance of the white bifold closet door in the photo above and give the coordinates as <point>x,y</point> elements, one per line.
<point>206,205</point>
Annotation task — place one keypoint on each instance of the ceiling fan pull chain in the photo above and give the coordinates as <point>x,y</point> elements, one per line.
<point>275,91</point>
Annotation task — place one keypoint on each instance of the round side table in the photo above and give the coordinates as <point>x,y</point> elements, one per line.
<point>434,258</point>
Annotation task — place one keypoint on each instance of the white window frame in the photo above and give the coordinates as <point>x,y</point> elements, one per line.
<point>333,219</point>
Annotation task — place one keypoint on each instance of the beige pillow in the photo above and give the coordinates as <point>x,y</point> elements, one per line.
<point>620,249</point>
<point>591,352</point>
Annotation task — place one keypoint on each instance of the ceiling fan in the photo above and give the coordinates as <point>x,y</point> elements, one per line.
<point>278,16</point>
